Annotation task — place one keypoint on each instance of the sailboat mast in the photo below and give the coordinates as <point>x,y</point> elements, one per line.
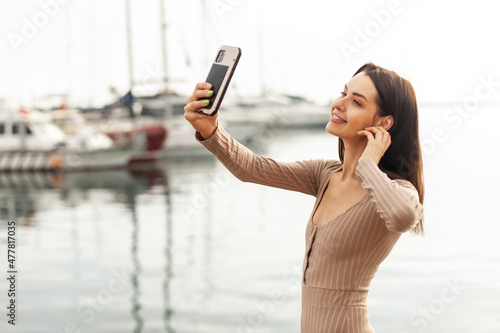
<point>164,58</point>
<point>129,44</point>
<point>204,15</point>
<point>91,48</point>
<point>261,63</point>
<point>69,55</point>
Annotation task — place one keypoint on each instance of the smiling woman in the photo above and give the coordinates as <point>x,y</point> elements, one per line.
<point>397,112</point>
<point>363,202</point>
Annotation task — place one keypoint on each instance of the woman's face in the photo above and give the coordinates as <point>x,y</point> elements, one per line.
<point>354,109</point>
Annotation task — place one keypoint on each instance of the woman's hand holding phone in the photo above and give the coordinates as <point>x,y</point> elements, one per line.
<point>203,105</point>
<point>202,123</point>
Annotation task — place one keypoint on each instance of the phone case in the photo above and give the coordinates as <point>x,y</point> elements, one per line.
<point>220,75</point>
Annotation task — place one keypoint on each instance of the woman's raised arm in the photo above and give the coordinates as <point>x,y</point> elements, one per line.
<point>241,162</point>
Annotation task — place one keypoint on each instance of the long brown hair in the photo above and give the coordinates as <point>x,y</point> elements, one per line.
<point>403,158</point>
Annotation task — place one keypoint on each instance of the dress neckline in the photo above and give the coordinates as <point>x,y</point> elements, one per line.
<point>320,198</point>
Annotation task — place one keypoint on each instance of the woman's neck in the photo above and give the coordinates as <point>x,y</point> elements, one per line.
<point>352,153</point>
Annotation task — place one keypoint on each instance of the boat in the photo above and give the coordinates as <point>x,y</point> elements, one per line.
<point>30,140</point>
<point>146,134</point>
<point>278,112</point>
<point>246,119</point>
<point>181,140</point>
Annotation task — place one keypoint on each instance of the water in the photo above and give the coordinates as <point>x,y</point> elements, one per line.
<point>185,247</point>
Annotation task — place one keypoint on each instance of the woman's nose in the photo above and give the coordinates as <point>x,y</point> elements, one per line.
<point>338,104</point>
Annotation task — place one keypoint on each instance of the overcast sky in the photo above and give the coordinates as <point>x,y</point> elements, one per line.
<point>309,47</point>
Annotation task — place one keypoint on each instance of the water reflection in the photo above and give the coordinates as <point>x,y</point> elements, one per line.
<point>29,198</point>
<point>167,312</point>
<point>16,197</point>
<point>193,244</point>
<point>136,307</point>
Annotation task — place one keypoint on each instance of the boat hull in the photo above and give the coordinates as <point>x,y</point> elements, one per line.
<point>60,160</point>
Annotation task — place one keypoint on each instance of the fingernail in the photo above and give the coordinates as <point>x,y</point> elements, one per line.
<point>206,102</point>
<point>210,92</point>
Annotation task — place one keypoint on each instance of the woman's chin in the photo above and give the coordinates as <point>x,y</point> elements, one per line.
<point>344,134</point>
<point>330,129</point>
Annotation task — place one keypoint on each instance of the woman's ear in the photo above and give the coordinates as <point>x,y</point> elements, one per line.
<point>386,122</point>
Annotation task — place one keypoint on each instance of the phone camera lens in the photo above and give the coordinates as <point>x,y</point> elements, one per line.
<point>220,56</point>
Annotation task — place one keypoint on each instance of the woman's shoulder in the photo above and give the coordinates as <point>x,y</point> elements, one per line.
<point>324,167</point>
<point>324,163</point>
<point>399,179</point>
<point>333,164</point>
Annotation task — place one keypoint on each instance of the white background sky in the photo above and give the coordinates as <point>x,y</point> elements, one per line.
<point>443,47</point>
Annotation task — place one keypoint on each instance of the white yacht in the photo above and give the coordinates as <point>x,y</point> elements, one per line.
<point>29,140</point>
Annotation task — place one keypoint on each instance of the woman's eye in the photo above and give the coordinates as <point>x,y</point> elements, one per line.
<point>354,101</point>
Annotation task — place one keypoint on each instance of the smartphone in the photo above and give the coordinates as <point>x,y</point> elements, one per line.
<point>220,75</point>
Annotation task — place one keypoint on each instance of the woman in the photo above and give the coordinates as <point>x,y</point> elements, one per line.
<point>364,202</point>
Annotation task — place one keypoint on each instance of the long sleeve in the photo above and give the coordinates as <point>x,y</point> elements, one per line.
<point>249,167</point>
<point>396,201</point>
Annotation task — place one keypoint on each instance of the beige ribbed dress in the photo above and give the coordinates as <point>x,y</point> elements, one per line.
<point>343,255</point>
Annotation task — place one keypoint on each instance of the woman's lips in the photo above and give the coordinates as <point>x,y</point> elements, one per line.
<point>336,119</point>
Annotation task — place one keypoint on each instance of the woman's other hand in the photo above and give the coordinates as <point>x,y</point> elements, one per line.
<point>379,141</point>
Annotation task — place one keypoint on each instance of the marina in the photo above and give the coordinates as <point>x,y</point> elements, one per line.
<point>113,137</point>
<point>31,141</point>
